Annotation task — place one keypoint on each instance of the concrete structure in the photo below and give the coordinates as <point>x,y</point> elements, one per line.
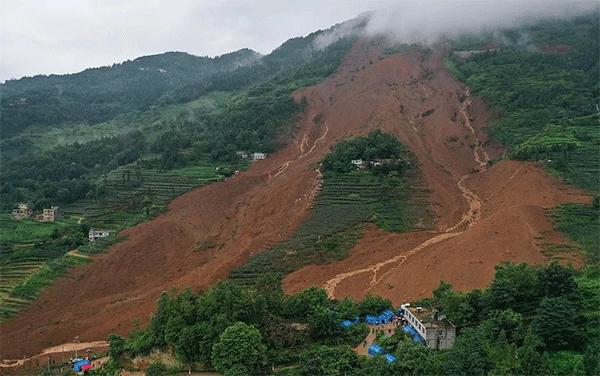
<point>52,214</point>
<point>258,156</point>
<point>437,331</point>
<point>94,234</point>
<point>21,212</point>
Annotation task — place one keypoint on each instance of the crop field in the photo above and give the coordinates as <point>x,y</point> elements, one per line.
<point>346,201</point>
<point>581,223</point>
<point>31,258</point>
<point>27,230</point>
<point>138,191</point>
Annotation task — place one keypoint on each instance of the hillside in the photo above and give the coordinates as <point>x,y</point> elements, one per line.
<point>99,94</point>
<point>480,185</point>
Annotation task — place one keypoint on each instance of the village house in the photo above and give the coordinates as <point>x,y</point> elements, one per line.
<point>21,212</point>
<point>51,214</point>
<point>359,163</point>
<point>435,329</point>
<point>242,154</point>
<point>258,156</point>
<point>95,234</point>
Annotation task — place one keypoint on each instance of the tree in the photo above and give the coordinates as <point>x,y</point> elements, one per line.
<point>116,345</point>
<point>239,351</point>
<point>557,323</point>
<point>324,322</point>
<point>327,361</point>
<point>373,305</point>
<point>531,359</point>
<point>556,280</point>
<point>187,347</point>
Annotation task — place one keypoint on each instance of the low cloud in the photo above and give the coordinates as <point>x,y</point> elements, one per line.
<point>427,21</point>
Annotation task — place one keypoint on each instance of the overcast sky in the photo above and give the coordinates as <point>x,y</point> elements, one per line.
<point>63,36</point>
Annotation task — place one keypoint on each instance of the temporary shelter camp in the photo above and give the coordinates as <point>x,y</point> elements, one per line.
<point>375,350</point>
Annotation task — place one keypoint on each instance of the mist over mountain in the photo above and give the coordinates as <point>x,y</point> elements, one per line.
<point>430,21</point>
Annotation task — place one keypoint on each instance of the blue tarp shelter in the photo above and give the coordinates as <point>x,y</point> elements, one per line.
<point>386,316</point>
<point>346,324</point>
<point>372,320</point>
<point>375,350</point>
<point>79,364</point>
<point>412,332</point>
<point>389,358</point>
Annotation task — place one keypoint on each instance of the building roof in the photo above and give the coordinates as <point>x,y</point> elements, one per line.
<point>429,316</point>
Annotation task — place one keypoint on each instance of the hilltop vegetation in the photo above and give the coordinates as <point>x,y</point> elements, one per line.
<point>99,94</point>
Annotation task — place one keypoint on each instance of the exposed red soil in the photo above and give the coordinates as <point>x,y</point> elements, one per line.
<point>266,204</point>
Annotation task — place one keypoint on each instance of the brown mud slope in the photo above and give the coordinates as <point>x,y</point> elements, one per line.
<point>405,94</point>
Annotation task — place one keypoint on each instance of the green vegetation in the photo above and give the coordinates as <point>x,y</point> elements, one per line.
<point>530,320</point>
<point>100,94</point>
<point>389,196</point>
<point>375,146</point>
<point>581,223</point>
<point>547,101</point>
<point>33,254</point>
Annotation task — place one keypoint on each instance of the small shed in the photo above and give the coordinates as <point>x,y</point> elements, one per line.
<point>346,324</point>
<point>375,350</point>
<point>389,358</point>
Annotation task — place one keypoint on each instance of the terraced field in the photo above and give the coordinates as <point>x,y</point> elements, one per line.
<point>32,255</point>
<point>138,191</point>
<point>344,204</point>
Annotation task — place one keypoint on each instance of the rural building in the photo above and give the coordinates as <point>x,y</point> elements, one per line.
<point>258,156</point>
<point>435,329</point>
<point>95,234</point>
<point>21,212</point>
<point>359,163</point>
<point>52,214</point>
<point>242,154</point>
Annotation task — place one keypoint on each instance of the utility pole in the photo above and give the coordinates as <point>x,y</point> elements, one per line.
<point>76,341</point>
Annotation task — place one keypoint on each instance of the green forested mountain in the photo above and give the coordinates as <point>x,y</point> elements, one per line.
<point>99,94</point>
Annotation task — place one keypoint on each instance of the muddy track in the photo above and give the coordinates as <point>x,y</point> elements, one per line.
<point>472,216</point>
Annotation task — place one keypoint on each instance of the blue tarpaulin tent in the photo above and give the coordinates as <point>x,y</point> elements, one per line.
<point>386,316</point>
<point>346,323</point>
<point>79,364</point>
<point>412,332</point>
<point>372,320</point>
<point>375,349</point>
<point>390,358</point>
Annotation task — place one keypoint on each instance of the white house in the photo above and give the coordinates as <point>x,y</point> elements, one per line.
<point>359,163</point>
<point>242,154</point>
<point>94,234</point>
<point>258,156</point>
<point>437,331</point>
